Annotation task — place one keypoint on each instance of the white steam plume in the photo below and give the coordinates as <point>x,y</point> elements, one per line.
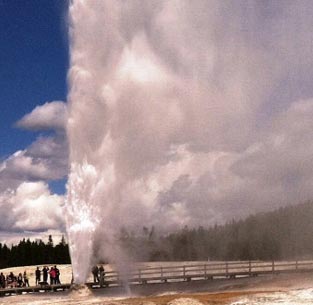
<point>164,101</point>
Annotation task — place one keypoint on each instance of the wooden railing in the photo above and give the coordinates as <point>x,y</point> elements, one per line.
<point>188,272</point>
<point>182,272</point>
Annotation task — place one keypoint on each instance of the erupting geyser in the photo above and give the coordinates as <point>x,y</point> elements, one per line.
<point>156,88</point>
<point>147,80</point>
<point>142,109</point>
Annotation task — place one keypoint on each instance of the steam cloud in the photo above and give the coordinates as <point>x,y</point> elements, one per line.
<point>178,110</point>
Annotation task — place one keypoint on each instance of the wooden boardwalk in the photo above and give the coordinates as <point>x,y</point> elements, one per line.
<point>181,273</point>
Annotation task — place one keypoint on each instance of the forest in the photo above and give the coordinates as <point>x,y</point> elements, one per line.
<point>27,253</point>
<point>286,233</point>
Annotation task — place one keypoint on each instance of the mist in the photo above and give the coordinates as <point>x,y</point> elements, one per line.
<point>184,113</point>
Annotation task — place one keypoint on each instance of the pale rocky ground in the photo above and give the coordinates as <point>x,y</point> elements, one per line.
<point>266,290</point>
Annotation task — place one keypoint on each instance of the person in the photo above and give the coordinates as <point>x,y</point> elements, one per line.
<point>101,270</point>
<point>38,275</point>
<point>57,275</point>
<point>25,277</point>
<point>52,276</point>
<point>7,280</point>
<point>45,271</point>
<point>2,280</point>
<point>11,280</point>
<point>20,280</point>
<point>95,272</point>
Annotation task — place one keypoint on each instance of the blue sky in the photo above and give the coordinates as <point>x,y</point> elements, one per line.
<point>34,61</point>
<point>33,65</point>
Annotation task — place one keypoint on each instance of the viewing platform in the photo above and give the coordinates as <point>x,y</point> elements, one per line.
<point>179,273</point>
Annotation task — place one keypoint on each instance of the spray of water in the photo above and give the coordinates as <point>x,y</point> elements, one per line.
<point>156,88</point>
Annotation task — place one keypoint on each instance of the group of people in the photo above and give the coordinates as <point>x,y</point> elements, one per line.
<point>98,274</point>
<point>41,276</point>
<point>11,280</point>
<point>53,273</point>
<point>22,280</point>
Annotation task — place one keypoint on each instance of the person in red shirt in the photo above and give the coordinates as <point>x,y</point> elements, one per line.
<point>52,274</point>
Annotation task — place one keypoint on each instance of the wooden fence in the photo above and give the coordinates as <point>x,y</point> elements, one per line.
<point>207,271</point>
<point>181,272</point>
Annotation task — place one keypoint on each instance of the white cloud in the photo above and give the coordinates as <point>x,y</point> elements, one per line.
<point>50,115</point>
<point>45,159</point>
<point>31,207</point>
<point>20,164</point>
<point>25,198</point>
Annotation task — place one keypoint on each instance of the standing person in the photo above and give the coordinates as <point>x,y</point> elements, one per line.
<point>101,270</point>
<point>11,280</point>
<point>38,275</point>
<point>45,271</point>
<point>95,272</point>
<point>52,276</point>
<point>20,280</point>
<point>57,275</point>
<point>25,277</point>
<point>2,280</point>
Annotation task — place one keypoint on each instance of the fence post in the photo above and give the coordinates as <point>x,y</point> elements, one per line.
<point>296,264</point>
<point>205,271</point>
<point>162,272</point>
<point>184,271</point>
<point>249,267</point>
<point>139,273</point>
<point>226,268</point>
<point>273,266</point>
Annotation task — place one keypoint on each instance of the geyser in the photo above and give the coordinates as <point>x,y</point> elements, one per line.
<point>142,117</point>
<point>163,103</point>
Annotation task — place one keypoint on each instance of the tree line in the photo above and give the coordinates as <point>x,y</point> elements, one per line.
<point>286,233</point>
<point>27,253</point>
